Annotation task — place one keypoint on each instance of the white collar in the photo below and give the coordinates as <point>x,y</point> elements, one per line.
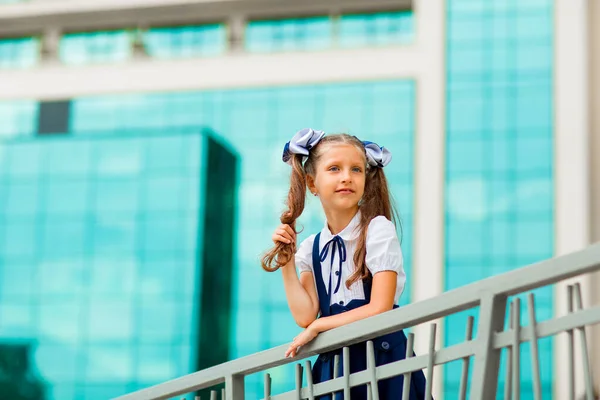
<point>350,232</point>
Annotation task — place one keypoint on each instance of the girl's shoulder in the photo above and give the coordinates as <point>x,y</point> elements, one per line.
<point>380,222</point>
<point>383,246</point>
<point>381,228</point>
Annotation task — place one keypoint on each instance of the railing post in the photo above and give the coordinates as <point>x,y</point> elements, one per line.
<point>234,387</point>
<point>492,312</point>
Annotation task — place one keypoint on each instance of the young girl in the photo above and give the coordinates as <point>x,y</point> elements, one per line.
<point>352,269</point>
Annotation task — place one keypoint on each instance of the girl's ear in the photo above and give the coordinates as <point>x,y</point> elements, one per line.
<point>310,183</point>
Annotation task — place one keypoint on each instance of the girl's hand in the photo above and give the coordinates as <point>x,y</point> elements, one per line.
<point>306,336</point>
<point>284,234</point>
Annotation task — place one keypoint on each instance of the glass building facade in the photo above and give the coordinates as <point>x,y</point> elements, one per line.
<point>94,259</point>
<point>104,268</point>
<point>147,200</point>
<point>499,151</point>
<point>255,124</point>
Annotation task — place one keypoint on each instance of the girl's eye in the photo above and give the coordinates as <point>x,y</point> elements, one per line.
<point>333,168</point>
<point>357,169</point>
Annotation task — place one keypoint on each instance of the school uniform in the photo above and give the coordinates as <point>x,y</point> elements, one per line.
<point>331,260</point>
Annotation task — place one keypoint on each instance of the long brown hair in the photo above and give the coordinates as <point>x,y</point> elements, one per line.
<point>376,201</point>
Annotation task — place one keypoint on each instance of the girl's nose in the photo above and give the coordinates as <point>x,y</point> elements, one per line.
<point>346,176</point>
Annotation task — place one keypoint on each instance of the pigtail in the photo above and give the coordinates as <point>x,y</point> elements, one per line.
<point>282,253</point>
<point>376,201</point>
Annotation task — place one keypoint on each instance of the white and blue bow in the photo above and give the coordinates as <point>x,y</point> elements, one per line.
<point>302,142</point>
<point>377,156</point>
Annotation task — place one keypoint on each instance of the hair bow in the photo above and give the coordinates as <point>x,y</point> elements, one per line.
<point>302,142</point>
<point>377,156</point>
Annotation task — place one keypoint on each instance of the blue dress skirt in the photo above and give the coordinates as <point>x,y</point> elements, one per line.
<point>388,348</point>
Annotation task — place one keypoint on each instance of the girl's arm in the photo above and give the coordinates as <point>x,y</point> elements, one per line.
<point>301,295</point>
<point>382,299</point>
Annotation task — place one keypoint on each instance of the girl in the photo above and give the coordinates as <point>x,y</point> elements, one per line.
<point>352,269</point>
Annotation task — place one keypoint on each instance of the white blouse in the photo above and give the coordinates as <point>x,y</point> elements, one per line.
<point>383,254</point>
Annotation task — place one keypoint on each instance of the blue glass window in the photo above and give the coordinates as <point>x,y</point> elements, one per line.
<point>19,118</point>
<point>376,29</point>
<point>499,157</point>
<point>95,47</point>
<point>19,53</point>
<point>288,35</point>
<point>314,33</point>
<point>186,41</point>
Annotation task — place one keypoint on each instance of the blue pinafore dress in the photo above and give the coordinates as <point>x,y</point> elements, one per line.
<point>388,348</point>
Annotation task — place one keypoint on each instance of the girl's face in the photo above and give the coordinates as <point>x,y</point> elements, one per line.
<point>339,177</point>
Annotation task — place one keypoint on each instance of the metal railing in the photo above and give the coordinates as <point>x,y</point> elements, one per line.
<point>484,350</point>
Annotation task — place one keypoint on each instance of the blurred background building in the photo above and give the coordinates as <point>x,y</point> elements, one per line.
<point>141,173</point>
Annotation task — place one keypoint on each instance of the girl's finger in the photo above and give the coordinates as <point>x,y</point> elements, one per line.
<point>285,234</point>
<point>289,352</point>
<point>285,228</point>
<point>290,231</point>
<point>279,238</point>
<point>284,239</point>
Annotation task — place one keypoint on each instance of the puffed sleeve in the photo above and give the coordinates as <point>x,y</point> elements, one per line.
<point>303,256</point>
<point>383,248</point>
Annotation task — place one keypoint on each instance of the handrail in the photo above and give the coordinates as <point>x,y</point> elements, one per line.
<point>496,288</point>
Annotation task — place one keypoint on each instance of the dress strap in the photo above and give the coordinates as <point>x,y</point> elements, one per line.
<point>324,299</point>
<point>367,283</point>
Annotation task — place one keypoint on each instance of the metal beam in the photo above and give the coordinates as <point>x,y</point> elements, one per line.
<point>230,71</point>
<point>29,18</point>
